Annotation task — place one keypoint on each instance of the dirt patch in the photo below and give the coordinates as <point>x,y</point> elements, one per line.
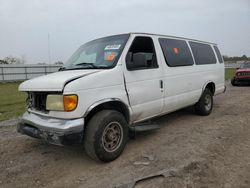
<point>212,151</point>
<point>10,122</point>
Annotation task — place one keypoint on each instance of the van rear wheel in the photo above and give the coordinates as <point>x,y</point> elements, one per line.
<point>106,135</point>
<point>205,105</point>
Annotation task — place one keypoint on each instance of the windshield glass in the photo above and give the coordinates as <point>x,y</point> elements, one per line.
<point>98,54</point>
<point>245,66</point>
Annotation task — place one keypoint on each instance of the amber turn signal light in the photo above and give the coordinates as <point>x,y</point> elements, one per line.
<point>70,102</point>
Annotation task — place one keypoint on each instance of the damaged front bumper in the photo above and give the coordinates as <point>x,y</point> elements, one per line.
<point>53,130</point>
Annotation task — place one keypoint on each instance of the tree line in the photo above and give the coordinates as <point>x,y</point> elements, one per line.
<point>12,60</point>
<point>236,58</point>
<point>16,60</point>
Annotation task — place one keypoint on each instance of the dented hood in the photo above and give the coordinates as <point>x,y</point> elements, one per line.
<point>55,81</point>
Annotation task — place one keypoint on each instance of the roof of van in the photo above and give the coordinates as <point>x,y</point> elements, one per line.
<point>172,37</point>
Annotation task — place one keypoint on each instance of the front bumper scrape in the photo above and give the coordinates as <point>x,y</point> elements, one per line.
<point>53,130</point>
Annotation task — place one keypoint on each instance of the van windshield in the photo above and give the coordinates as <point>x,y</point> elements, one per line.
<point>101,53</point>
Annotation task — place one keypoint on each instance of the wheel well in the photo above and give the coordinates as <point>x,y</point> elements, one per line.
<point>211,87</point>
<point>111,105</point>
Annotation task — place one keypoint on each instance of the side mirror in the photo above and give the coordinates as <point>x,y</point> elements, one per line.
<point>136,61</point>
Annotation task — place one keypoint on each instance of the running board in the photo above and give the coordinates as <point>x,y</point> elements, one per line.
<point>141,127</point>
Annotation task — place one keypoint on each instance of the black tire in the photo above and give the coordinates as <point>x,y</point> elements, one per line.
<point>233,82</point>
<point>205,105</point>
<point>106,135</point>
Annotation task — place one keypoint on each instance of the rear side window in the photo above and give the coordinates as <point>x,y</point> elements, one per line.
<point>217,51</point>
<point>176,52</point>
<point>203,53</point>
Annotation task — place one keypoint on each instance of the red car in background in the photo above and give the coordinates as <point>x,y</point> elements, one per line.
<point>242,75</point>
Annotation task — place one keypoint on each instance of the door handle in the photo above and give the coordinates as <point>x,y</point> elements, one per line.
<point>161,84</point>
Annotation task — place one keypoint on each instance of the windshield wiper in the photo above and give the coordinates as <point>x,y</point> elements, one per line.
<point>84,66</point>
<point>92,65</point>
<point>87,64</point>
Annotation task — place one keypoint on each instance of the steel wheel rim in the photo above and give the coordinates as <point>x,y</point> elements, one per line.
<point>208,102</point>
<point>112,136</point>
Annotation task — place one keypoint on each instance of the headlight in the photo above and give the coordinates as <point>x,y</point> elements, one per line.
<point>61,102</point>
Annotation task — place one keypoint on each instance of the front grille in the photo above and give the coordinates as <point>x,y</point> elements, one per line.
<point>37,100</point>
<point>244,73</point>
<point>40,101</point>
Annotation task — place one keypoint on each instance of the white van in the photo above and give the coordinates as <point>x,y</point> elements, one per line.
<point>113,84</point>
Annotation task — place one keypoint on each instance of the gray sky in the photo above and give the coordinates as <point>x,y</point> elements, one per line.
<point>24,25</point>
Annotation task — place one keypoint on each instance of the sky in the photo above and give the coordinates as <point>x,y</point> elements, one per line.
<point>25,25</point>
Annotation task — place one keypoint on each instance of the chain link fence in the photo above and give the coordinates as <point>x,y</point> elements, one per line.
<point>24,72</point>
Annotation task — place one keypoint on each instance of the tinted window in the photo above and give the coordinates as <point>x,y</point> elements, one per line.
<point>176,52</point>
<point>141,54</point>
<point>217,51</point>
<point>203,53</point>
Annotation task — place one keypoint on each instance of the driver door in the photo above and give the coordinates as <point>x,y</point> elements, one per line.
<point>143,79</point>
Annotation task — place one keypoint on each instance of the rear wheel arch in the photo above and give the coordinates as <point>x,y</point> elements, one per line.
<point>211,86</point>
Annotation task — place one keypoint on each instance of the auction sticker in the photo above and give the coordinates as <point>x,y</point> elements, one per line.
<point>112,47</point>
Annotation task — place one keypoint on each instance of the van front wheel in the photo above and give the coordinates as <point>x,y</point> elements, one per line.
<point>205,105</point>
<point>106,135</point>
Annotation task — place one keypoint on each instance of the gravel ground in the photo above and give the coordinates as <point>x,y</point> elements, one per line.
<point>10,122</point>
<point>212,151</point>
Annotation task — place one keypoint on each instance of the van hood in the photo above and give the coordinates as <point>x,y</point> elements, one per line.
<point>55,81</point>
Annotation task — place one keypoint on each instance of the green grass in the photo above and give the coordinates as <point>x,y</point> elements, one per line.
<point>229,73</point>
<point>12,103</point>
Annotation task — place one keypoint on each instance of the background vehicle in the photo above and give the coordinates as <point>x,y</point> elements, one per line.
<point>242,75</point>
<point>113,84</point>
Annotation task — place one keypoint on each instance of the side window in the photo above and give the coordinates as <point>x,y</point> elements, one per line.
<point>176,52</point>
<point>203,53</point>
<point>217,51</point>
<point>141,54</point>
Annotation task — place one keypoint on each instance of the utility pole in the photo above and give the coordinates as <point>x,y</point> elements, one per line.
<point>49,54</point>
